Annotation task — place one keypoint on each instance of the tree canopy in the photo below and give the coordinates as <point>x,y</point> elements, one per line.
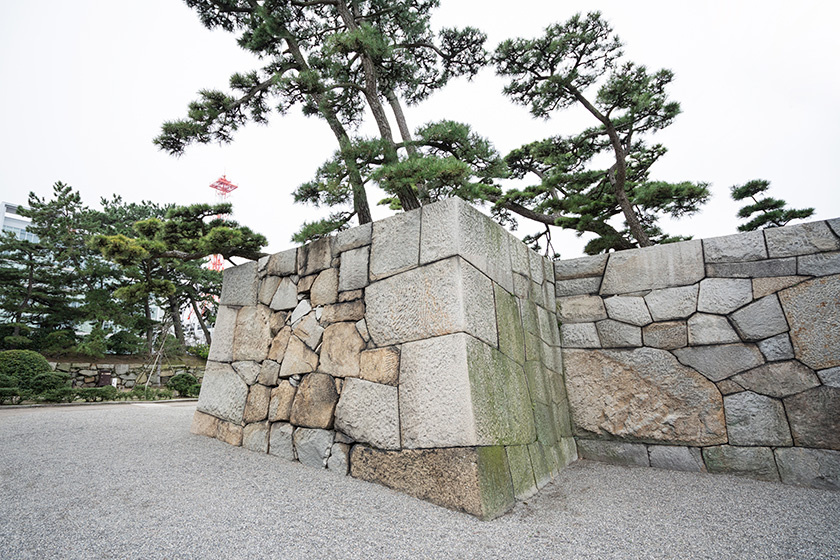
<point>764,211</point>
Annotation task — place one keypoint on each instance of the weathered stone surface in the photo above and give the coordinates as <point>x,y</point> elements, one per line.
<point>540,462</point>
<point>279,343</point>
<point>277,322</point>
<point>676,458</point>
<point>710,329</point>
<point>256,406</point>
<point>313,446</point>
<point>204,424</point>
<point>453,227</point>
<point>660,266</point>
<point>628,309</point>
<point>724,295</point>
<point>314,257</point>
<point>255,437</point>
<point>581,267</point>
<point>766,286</point>
<point>380,365</point>
<point>350,296</point>
<point>314,402</point>
<point>778,379</point>
<point>735,248</point>
<point>473,480</point>
<point>644,394</point>
<point>549,331</point>
<point>361,326</point>
<point>304,285</point>
<point>302,310</point>
<point>618,335</point>
<point>280,442</point>
<point>223,393</point>
<point>441,298</point>
<point>814,417</point>
<point>352,238</point>
<point>348,311</point>
<point>728,387</point>
<point>339,461</point>
<point>830,377</point>
<point>221,349</point>
<point>615,452</point>
<point>285,296</point>
<point>521,471</point>
<point>577,286</point>
<point>340,350</point>
<point>761,319</point>
<point>834,224</point>
<point>812,309</point>
<point>776,348</point>
<point>396,244</point>
<point>298,359</point>
<point>668,335</point>
<point>248,371</point>
<point>354,269</point>
<point>282,264</point>
<point>581,309</point>
<point>239,285</point>
<point>368,412</point>
<point>753,419</point>
<point>268,286</point>
<point>672,303</point>
<point>280,405</point>
<point>519,260</point>
<point>509,325</point>
<point>816,468</point>
<point>580,335</point>
<point>800,239</point>
<point>252,335</point>
<point>754,462</point>
<point>229,433</point>
<point>521,285</point>
<point>325,288</point>
<point>269,371</point>
<point>757,269</point>
<point>719,362</point>
<point>820,265</point>
<point>309,331</point>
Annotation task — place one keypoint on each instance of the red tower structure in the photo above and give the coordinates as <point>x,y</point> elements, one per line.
<point>223,189</point>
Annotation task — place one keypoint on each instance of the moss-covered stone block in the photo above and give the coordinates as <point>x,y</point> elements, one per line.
<point>521,471</point>
<point>509,325</point>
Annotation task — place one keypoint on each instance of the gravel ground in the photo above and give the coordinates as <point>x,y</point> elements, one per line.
<point>130,481</point>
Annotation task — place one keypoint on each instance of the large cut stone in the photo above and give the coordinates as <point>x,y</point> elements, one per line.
<point>354,269</point>
<point>280,405</point>
<point>800,239</point>
<point>814,417</point>
<point>660,266</point>
<point>724,295</point>
<point>368,412</point>
<point>830,376</point>
<point>614,334</point>
<point>280,442</point>
<point>309,331</point>
<point>283,263</point>
<point>813,311</point>
<point>229,433</point>
<point>380,365</point>
<point>453,227</point>
<point>761,319</point>
<point>776,348</point>
<point>577,286</point>
<point>820,265</point>
<point>268,286</point>
<point>248,371</point>
<point>298,359</point>
<point>253,334</point>
<point>314,257</point>
<point>754,419</point>
<point>582,309</point>
<point>757,269</point>
<point>509,325</point>
<point>643,394</point>
<point>269,371</point>
<point>396,244</point>
<point>719,362</point>
<point>346,311</point>
<point>521,471</point>
<point>340,350</point>
<point>285,296</point>
<point>778,379</point>
<point>579,335</point>
<point>256,405</point>
<point>315,402</point>
<point>754,462</point>
<point>255,437</point>
<point>221,349</point>
<point>735,248</point>
<point>352,238</point>
<point>313,446</point>
<point>279,344</point>
<point>817,468</point>
<point>628,310</point>
<point>240,285</point>
<point>766,286</point>
<point>223,393</point>
<point>441,298</point>
<point>668,335</point>
<point>324,290</point>
<point>672,303</point>
<point>676,458</point>
<point>581,267</point>
<point>615,452</point>
<point>204,424</point>
<point>473,480</point>
<point>710,329</point>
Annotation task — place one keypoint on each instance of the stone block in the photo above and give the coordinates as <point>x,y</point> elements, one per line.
<point>728,387</point>
<point>352,238</point>
<point>509,325</point>
<point>541,464</point>
<point>325,288</point>
<point>538,387</point>
<point>240,285</point>
<point>581,309</point>
<point>761,319</point>
<point>819,265</point>
<point>615,452</point>
<point>354,269</point>
<point>249,371</point>
<point>521,471</point>
<point>643,394</point>
<point>368,413</point>
<point>719,362</point>
<point>778,379</point>
<point>314,402</point>
<point>724,295</point>
<point>229,433</point>
<point>302,310</point>
<point>766,286</point>
<point>339,461</point>
<point>314,257</point>
<point>309,331</point>
<point>710,329</point>
<point>204,424</point>
<point>535,267</point>
<point>814,417</point>
<point>252,334</point>
<point>521,286</point>
<point>256,405</point>
<point>754,462</point>
<point>668,335</point>
<point>280,404</point>
<point>352,295</point>
<point>280,442</point>
<point>223,393</point>
<point>581,267</point>
<point>304,285</point>
<point>800,239</point>
<point>269,371</point>
<point>815,468</point>
<point>313,446</point>
<point>753,419</point>
<point>380,365</point>
<point>580,335</point>
<point>740,247</point>
<point>347,311</point>
<point>441,298</point>
<point>812,309</point>
<point>757,269</point>
<point>395,244</point>
<point>672,303</point>
<point>221,349</point>
<point>255,437</point>
<point>279,344</point>
<point>776,348</point>
<point>649,268</point>
<point>628,309</point>
<point>577,286</point>
<point>676,458</point>
<point>473,480</point>
<point>519,260</point>
<point>340,352</point>
<point>549,331</point>
<point>268,287</point>
<point>830,376</point>
<point>834,224</point>
<point>614,334</point>
<point>283,263</point>
<point>298,359</point>
<point>452,227</point>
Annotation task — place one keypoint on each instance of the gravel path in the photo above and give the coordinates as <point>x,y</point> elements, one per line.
<point>129,481</point>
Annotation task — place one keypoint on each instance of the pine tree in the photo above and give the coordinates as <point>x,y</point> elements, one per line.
<point>771,211</point>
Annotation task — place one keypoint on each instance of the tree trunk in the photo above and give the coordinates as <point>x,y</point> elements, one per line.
<point>150,332</point>
<point>201,322</point>
<point>175,314</point>
<point>30,282</point>
<point>405,133</point>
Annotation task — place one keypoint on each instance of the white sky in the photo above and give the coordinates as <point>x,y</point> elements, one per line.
<point>86,85</point>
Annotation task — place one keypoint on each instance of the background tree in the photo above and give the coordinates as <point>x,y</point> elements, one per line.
<point>771,212</point>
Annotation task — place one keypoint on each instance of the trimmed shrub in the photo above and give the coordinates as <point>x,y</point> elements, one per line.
<point>58,343</point>
<point>22,364</point>
<point>199,350</point>
<point>185,384</point>
<point>62,394</point>
<point>9,395</point>
<point>45,382</point>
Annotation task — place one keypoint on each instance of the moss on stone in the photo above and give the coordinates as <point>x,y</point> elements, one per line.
<point>494,480</point>
<point>509,324</point>
<point>521,471</point>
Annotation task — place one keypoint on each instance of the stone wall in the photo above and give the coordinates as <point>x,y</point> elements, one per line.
<point>720,355</point>
<point>126,375</point>
<point>420,352</point>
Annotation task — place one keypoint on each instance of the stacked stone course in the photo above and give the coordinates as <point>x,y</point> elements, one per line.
<point>122,376</point>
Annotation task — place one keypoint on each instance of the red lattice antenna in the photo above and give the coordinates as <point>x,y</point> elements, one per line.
<point>223,189</point>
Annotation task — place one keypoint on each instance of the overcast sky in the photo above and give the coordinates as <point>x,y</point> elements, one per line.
<point>86,85</point>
